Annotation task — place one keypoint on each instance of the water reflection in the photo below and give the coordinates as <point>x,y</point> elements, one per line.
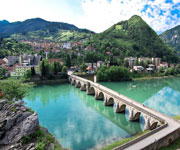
<point>76,119</point>
<point>119,119</point>
<point>166,101</point>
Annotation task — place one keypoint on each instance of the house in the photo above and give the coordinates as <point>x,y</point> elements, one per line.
<point>13,60</point>
<point>149,70</point>
<point>100,64</point>
<point>164,65</point>
<point>29,60</point>
<point>156,61</point>
<point>152,66</point>
<point>21,70</point>
<point>131,61</point>
<point>89,64</point>
<point>26,62</point>
<point>5,60</point>
<point>94,65</point>
<point>138,68</point>
<point>144,59</point>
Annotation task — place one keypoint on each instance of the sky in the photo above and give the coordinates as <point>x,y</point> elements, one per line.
<point>96,15</point>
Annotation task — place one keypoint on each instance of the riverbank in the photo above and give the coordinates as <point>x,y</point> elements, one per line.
<point>151,77</point>
<point>49,82</point>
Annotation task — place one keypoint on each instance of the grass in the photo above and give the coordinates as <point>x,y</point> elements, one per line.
<point>42,139</point>
<point>176,117</point>
<point>123,141</point>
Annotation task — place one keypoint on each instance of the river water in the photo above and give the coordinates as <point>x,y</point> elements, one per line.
<point>80,122</point>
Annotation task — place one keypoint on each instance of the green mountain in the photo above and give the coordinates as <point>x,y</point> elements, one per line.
<point>172,37</point>
<point>39,29</point>
<point>133,37</point>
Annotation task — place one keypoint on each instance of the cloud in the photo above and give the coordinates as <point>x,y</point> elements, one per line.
<point>101,14</point>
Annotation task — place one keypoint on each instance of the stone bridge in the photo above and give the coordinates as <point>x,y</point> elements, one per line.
<point>168,129</point>
<point>119,102</point>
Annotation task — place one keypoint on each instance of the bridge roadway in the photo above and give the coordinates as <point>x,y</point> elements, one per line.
<point>168,131</point>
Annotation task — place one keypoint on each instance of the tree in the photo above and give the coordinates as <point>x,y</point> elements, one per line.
<point>114,73</point>
<point>68,61</point>
<point>28,74</point>
<point>64,70</point>
<point>136,62</point>
<point>126,63</point>
<point>161,70</point>
<point>33,72</point>
<point>13,89</point>
<point>44,67</point>
<point>2,73</point>
<point>83,67</point>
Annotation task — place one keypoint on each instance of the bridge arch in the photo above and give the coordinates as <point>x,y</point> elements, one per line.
<point>99,95</point>
<point>83,87</point>
<point>78,84</point>
<point>134,114</point>
<point>109,101</point>
<point>119,107</point>
<point>91,91</point>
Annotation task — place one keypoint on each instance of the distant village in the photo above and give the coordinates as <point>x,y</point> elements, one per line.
<point>17,66</point>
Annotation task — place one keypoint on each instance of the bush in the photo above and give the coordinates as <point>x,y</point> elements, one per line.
<point>170,71</point>
<point>13,89</point>
<point>114,73</point>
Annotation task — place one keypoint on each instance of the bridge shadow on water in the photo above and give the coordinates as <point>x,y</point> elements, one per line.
<point>120,119</point>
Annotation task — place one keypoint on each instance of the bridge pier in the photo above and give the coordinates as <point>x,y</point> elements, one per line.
<point>99,96</point>
<point>73,82</point>
<point>78,85</point>
<point>119,107</point>
<point>90,91</point>
<point>109,101</point>
<point>150,123</point>
<point>134,115</point>
<point>83,87</point>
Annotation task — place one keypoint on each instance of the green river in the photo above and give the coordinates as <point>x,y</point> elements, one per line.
<point>80,122</point>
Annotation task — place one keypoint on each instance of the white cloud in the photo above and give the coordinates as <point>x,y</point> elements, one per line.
<point>101,14</point>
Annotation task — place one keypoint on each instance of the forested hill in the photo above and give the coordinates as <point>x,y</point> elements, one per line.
<point>38,29</point>
<point>133,37</point>
<point>34,25</point>
<point>172,37</point>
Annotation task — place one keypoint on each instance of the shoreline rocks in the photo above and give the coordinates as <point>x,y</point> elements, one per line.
<point>16,122</point>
